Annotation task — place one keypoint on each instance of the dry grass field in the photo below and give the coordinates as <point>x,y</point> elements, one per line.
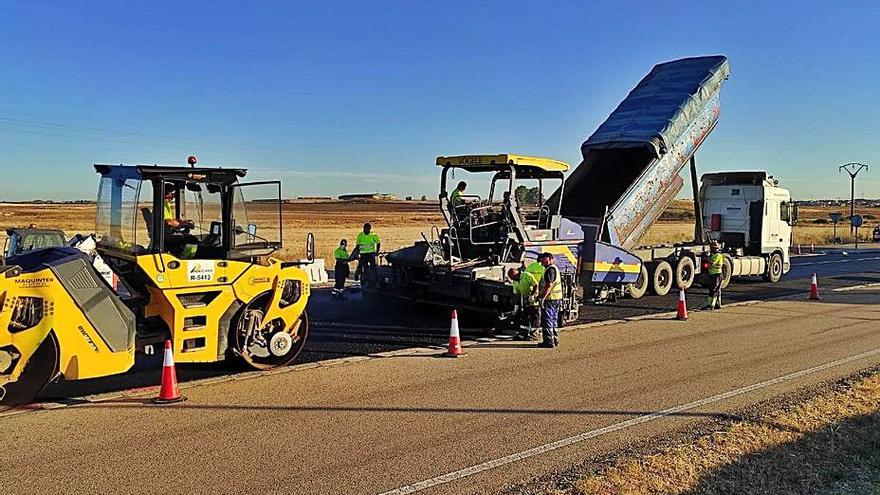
<point>813,226</point>
<point>398,223</point>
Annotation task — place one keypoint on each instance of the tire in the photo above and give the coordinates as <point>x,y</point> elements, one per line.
<point>638,289</point>
<point>40,370</point>
<point>661,278</point>
<point>774,269</point>
<point>685,272</point>
<point>726,271</point>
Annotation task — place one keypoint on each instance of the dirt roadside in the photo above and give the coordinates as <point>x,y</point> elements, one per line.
<point>822,441</point>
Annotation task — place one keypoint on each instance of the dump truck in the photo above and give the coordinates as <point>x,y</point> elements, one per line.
<point>191,251</point>
<point>631,171</point>
<point>596,217</point>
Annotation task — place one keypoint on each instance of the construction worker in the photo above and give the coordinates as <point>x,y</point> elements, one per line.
<point>716,269</point>
<point>340,272</point>
<point>525,285</point>
<point>169,214</point>
<point>367,248</point>
<point>455,198</point>
<point>178,240</point>
<point>550,296</point>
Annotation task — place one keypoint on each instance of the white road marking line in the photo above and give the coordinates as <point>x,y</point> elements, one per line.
<point>875,258</point>
<point>565,442</point>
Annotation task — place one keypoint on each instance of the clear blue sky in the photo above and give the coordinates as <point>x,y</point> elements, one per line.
<point>340,97</point>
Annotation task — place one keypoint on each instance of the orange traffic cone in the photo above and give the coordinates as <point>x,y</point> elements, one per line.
<point>168,391</point>
<point>682,306</point>
<point>454,338</point>
<point>814,290</point>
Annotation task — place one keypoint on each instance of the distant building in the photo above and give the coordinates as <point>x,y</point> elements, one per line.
<point>314,198</point>
<point>369,196</point>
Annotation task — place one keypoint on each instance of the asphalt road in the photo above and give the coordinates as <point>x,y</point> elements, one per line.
<point>359,327</point>
<point>503,414</point>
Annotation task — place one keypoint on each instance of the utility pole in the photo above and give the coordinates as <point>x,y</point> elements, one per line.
<point>853,170</point>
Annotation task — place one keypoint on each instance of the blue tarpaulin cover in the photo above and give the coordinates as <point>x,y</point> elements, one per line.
<point>632,163</point>
<point>662,105</point>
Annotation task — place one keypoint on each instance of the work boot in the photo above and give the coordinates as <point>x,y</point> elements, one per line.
<point>707,307</point>
<point>547,344</point>
<point>717,306</point>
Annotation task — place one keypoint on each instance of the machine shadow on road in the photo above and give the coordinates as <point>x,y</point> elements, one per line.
<point>146,404</point>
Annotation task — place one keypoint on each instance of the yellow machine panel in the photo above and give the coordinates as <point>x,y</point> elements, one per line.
<point>55,320</point>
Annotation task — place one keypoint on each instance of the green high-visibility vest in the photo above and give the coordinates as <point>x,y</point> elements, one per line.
<point>524,286</point>
<point>536,269</point>
<point>169,211</point>
<point>367,242</point>
<point>341,254</point>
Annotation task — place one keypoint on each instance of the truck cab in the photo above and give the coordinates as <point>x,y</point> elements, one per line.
<point>748,212</point>
<point>23,240</point>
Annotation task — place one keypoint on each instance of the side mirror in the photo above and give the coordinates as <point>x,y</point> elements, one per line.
<point>252,229</point>
<point>310,246</point>
<point>216,228</point>
<point>794,213</point>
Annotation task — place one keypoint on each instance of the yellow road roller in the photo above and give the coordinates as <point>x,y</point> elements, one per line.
<point>191,250</point>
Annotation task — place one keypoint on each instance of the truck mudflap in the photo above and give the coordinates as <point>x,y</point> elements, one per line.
<point>604,264</point>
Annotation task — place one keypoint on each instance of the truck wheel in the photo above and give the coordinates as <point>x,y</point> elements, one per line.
<point>726,271</point>
<point>774,269</point>
<point>661,278</point>
<point>639,288</point>
<point>685,273</point>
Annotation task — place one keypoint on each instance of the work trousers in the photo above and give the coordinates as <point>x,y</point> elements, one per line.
<point>715,290</point>
<point>367,267</point>
<point>530,320</point>
<point>550,321</point>
<point>340,273</point>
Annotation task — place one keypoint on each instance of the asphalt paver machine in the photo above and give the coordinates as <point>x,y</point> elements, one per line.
<point>464,264</point>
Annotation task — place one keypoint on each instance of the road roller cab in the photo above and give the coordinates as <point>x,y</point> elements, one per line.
<point>192,250</point>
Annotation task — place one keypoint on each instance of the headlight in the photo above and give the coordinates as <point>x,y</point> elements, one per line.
<point>290,292</point>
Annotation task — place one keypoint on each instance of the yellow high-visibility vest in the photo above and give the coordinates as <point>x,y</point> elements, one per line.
<point>716,264</point>
<point>556,287</point>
